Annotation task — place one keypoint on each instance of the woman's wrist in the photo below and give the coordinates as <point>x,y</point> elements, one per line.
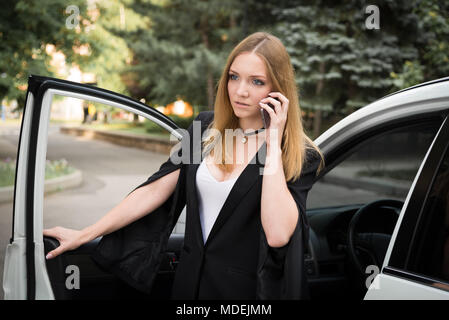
<point>274,151</point>
<point>274,157</point>
<point>87,234</point>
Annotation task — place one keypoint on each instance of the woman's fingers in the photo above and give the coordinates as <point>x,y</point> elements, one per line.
<point>53,233</point>
<point>280,96</point>
<point>50,232</point>
<point>68,240</point>
<point>267,108</point>
<point>274,102</point>
<point>56,232</point>
<point>55,253</point>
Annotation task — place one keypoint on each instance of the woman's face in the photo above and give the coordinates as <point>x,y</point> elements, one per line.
<point>248,83</point>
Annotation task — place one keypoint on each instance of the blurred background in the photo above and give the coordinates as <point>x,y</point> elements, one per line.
<point>169,53</point>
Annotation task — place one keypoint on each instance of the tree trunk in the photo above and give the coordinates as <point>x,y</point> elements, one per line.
<point>316,124</point>
<point>318,90</point>
<point>245,18</point>
<point>210,89</point>
<point>105,117</point>
<point>209,77</point>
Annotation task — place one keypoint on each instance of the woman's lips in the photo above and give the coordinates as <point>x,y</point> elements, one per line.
<point>243,105</point>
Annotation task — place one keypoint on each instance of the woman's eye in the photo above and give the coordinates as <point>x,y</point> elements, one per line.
<point>258,82</point>
<point>232,77</point>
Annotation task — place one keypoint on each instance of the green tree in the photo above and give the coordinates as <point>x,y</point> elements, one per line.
<point>112,57</point>
<point>181,49</point>
<point>340,64</point>
<point>432,41</point>
<point>115,20</point>
<point>26,27</point>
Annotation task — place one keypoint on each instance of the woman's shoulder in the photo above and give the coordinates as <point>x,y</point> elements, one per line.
<point>206,116</point>
<point>313,160</point>
<point>311,154</point>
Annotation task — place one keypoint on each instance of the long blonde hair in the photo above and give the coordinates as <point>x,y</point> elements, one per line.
<point>280,71</point>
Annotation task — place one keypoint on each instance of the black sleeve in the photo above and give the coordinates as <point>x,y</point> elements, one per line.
<point>300,188</point>
<point>281,272</point>
<point>169,166</point>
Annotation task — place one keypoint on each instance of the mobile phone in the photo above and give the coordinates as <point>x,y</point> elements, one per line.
<point>265,115</point>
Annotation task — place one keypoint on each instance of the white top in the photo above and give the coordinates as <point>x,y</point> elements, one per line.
<point>212,194</point>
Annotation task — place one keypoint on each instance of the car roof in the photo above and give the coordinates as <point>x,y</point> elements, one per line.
<point>418,85</point>
<point>419,101</point>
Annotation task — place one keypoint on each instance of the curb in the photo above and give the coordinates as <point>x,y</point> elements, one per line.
<point>125,139</point>
<point>52,185</point>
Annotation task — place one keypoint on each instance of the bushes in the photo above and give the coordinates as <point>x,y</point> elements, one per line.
<point>7,172</point>
<point>182,122</point>
<point>53,169</point>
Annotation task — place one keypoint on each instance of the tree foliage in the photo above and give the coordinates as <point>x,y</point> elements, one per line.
<point>432,43</point>
<point>340,63</point>
<point>163,49</point>
<point>26,27</point>
<point>181,49</point>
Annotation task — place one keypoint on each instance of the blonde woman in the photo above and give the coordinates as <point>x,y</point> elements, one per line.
<point>246,227</point>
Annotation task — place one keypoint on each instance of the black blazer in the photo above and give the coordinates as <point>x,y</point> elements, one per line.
<point>236,261</point>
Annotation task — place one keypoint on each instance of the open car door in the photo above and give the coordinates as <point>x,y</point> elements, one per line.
<point>27,274</point>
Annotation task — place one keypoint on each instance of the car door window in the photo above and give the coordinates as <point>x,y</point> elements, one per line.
<point>95,158</point>
<point>430,253</point>
<point>382,166</point>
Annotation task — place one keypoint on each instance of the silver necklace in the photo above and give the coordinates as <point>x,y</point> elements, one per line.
<point>245,135</point>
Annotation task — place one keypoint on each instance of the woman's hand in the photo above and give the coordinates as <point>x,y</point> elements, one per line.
<point>68,240</point>
<point>278,118</point>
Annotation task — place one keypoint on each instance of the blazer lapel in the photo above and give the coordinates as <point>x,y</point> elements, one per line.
<point>243,184</point>
<point>194,201</point>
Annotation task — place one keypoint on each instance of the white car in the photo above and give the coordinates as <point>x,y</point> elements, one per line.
<point>379,212</point>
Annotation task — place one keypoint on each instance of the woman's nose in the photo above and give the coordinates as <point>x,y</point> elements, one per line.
<point>242,89</point>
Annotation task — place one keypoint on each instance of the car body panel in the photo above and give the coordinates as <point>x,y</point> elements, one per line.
<point>422,101</point>
<point>387,287</point>
<point>14,274</point>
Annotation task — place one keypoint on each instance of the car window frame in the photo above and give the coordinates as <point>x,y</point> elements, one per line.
<point>413,212</point>
<point>335,156</point>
